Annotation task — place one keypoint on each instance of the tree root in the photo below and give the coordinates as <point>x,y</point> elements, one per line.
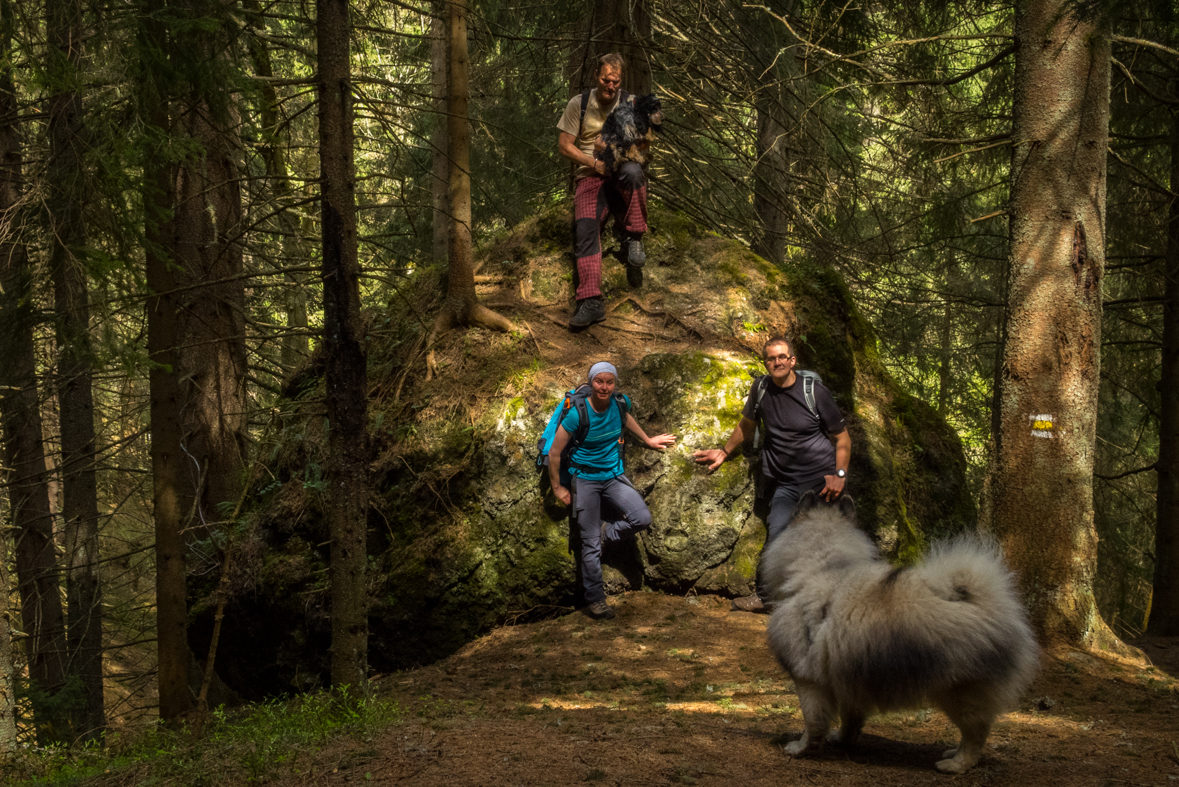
<point>477,314</point>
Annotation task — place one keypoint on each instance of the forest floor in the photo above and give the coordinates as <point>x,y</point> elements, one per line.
<point>682,691</point>
<point>675,690</point>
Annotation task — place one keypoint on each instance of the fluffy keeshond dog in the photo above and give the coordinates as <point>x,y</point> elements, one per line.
<point>630,129</point>
<point>860,636</point>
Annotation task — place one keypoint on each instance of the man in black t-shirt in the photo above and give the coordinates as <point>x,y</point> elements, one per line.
<point>798,452</point>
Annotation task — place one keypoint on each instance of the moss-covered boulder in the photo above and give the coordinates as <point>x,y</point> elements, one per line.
<point>462,533</point>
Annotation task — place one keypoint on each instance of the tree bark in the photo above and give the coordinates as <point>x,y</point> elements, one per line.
<point>440,182</point>
<point>462,305</point>
<point>1164,607</point>
<point>41,612</point>
<point>206,246</point>
<point>946,353</point>
<point>769,185</point>
<point>622,26</point>
<point>295,344</point>
<point>1041,489</point>
<point>7,673</point>
<point>163,334</point>
<point>66,196</point>
<point>346,377</point>
<point>22,455</point>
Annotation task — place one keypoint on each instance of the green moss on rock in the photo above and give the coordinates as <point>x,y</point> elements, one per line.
<point>462,533</point>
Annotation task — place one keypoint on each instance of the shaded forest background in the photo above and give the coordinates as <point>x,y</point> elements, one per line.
<point>162,247</point>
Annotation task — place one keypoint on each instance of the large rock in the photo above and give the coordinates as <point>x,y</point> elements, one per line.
<point>462,536</point>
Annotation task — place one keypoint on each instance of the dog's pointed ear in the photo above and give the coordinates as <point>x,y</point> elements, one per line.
<point>847,507</point>
<point>805,503</point>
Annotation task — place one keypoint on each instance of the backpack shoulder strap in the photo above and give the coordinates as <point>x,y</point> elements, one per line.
<point>762,383</point>
<point>622,404</point>
<point>577,399</point>
<point>808,390</point>
<point>584,105</point>
<point>623,409</point>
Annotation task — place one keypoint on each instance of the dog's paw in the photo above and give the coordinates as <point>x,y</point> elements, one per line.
<point>948,753</point>
<point>795,748</point>
<point>955,764</point>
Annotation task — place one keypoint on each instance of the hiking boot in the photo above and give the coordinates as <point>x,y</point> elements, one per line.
<point>633,254</point>
<point>589,311</point>
<point>750,603</point>
<point>600,610</point>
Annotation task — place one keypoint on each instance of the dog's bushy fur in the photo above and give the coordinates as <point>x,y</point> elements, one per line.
<point>860,636</point>
<point>630,129</point>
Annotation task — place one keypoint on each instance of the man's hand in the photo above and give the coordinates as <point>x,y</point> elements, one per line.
<point>713,457</point>
<point>563,495</point>
<point>833,487</point>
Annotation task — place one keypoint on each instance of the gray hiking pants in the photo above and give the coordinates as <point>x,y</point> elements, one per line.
<point>782,505</point>
<point>619,498</point>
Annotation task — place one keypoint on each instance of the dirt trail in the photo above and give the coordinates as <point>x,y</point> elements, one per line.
<point>682,691</point>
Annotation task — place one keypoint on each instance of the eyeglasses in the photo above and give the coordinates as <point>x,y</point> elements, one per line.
<point>778,358</point>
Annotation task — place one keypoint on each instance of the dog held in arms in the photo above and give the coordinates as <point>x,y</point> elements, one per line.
<point>860,636</point>
<point>630,129</point>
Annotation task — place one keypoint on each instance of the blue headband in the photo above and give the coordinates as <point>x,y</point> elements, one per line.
<point>602,366</point>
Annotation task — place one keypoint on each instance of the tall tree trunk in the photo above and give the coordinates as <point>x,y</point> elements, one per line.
<point>7,673</point>
<point>206,243</point>
<point>622,26</point>
<point>440,181</point>
<point>1164,608</point>
<point>776,77</point>
<point>23,455</point>
<point>1042,493</point>
<point>67,189</point>
<point>295,344</point>
<point>347,376</point>
<point>769,184</point>
<point>462,305</point>
<point>163,334</point>
<point>212,352</point>
<point>946,351</point>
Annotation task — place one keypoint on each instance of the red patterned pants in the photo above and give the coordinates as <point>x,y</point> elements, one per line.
<point>624,195</point>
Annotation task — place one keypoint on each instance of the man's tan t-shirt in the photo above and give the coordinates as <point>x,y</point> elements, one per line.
<point>595,118</point>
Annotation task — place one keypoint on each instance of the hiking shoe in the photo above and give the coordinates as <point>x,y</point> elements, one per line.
<point>600,610</point>
<point>633,254</point>
<point>634,276</point>
<point>750,603</point>
<point>589,311</point>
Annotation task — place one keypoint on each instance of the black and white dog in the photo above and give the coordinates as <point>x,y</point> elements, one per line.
<point>630,129</point>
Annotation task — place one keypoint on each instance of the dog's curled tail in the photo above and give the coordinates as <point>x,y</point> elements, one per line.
<point>969,574</point>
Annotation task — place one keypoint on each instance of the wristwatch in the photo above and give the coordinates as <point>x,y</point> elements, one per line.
<point>841,473</point>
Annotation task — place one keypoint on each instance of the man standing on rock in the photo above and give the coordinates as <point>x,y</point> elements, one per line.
<point>596,471</point>
<point>806,445</point>
<point>598,192</point>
